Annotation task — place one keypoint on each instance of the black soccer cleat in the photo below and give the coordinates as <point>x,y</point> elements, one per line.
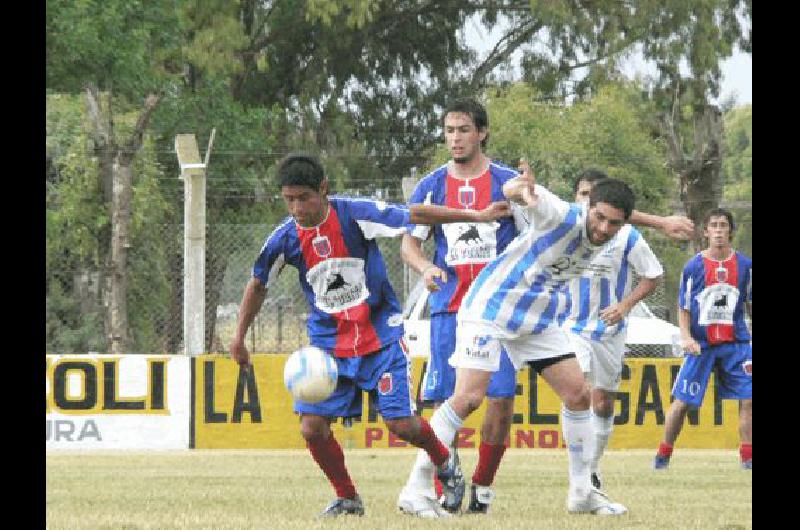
<point>342,506</point>
<point>453,485</point>
<point>480,498</point>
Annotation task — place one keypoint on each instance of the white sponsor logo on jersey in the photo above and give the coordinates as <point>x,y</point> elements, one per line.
<point>338,284</point>
<point>716,304</point>
<point>469,243</point>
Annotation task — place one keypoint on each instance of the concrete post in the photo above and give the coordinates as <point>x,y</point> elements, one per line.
<point>193,173</point>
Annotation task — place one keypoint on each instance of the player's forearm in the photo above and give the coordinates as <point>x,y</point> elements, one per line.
<point>640,292</point>
<point>430,214</point>
<point>411,251</point>
<point>252,300</point>
<point>645,219</point>
<point>514,189</point>
<point>684,323</point>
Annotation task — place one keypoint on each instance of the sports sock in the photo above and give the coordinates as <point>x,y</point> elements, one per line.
<point>445,424</point>
<point>578,432</point>
<point>428,441</point>
<point>665,449</point>
<point>489,457</point>
<point>602,432</point>
<point>328,455</point>
<point>746,452</point>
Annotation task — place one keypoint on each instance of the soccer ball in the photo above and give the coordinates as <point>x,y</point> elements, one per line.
<point>310,374</point>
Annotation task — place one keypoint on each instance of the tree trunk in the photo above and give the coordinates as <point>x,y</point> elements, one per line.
<point>122,194</point>
<point>700,172</point>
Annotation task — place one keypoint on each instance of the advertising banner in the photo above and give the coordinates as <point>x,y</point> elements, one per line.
<point>237,408</point>
<point>118,402</point>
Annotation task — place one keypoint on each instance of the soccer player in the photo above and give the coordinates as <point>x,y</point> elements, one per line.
<point>354,313</point>
<point>716,289</point>
<point>470,180</point>
<point>514,304</point>
<point>598,304</point>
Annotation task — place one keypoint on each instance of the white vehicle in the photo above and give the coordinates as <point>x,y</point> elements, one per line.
<point>648,335</point>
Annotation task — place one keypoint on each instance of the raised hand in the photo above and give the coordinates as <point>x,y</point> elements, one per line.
<point>678,227</point>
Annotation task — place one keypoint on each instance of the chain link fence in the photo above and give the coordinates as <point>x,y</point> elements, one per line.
<point>75,307</point>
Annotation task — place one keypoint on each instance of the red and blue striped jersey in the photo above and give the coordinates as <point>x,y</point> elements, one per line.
<point>463,249</point>
<point>714,292</point>
<point>354,310</point>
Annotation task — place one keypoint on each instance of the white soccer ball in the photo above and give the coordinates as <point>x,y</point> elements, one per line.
<point>310,374</point>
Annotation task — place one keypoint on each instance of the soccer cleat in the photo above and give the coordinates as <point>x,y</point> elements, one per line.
<point>342,506</point>
<point>596,503</point>
<point>420,505</point>
<point>660,462</point>
<point>596,481</point>
<point>747,464</point>
<point>480,498</point>
<point>453,485</point>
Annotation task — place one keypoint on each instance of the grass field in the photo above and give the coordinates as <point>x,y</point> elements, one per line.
<point>285,489</point>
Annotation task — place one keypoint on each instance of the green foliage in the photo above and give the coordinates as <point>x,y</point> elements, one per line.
<point>128,46</point>
<point>738,172</point>
<point>78,233</point>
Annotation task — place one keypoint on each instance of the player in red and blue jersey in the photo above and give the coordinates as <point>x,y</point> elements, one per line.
<point>716,289</point>
<point>354,313</point>
<point>469,181</point>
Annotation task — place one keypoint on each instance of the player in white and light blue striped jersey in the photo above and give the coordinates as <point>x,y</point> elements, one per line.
<point>515,302</point>
<point>599,301</point>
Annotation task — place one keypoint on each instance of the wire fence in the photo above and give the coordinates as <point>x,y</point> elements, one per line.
<point>76,308</point>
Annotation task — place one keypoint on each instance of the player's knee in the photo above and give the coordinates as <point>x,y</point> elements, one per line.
<point>403,428</point>
<point>603,403</point>
<point>577,398</point>
<point>312,428</point>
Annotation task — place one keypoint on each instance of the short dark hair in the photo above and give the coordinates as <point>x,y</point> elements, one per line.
<point>299,169</point>
<point>473,108</point>
<point>589,175</point>
<point>614,192</point>
<point>719,212</point>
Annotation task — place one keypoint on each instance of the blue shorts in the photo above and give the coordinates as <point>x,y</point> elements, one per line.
<point>387,373</point>
<point>440,377</point>
<point>733,369</point>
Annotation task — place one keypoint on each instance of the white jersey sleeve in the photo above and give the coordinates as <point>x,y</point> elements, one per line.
<point>643,261</point>
<point>548,211</point>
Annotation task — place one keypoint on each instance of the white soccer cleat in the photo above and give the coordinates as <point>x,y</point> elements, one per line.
<point>596,503</point>
<point>420,505</point>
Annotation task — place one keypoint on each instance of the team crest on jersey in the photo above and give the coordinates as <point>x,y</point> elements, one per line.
<point>386,384</point>
<point>721,274</point>
<point>466,196</point>
<point>322,246</point>
<point>747,366</point>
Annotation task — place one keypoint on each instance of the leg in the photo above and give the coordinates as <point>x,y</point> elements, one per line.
<point>494,433</point>
<point>328,455</point>
<point>603,423</point>
<point>746,433</point>
<point>672,428</point>
<point>566,379</point>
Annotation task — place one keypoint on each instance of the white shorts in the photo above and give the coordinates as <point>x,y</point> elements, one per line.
<point>478,346</point>
<point>601,361</point>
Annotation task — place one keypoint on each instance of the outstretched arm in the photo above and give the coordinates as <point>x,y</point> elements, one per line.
<point>254,294</point>
<point>429,214</point>
<point>674,226</point>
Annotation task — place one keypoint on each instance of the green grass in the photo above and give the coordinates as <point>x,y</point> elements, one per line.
<point>285,489</point>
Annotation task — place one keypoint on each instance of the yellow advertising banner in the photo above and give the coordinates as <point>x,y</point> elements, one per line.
<point>236,408</point>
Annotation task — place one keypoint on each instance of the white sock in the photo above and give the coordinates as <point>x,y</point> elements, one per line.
<point>445,424</point>
<point>602,432</point>
<point>577,428</point>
